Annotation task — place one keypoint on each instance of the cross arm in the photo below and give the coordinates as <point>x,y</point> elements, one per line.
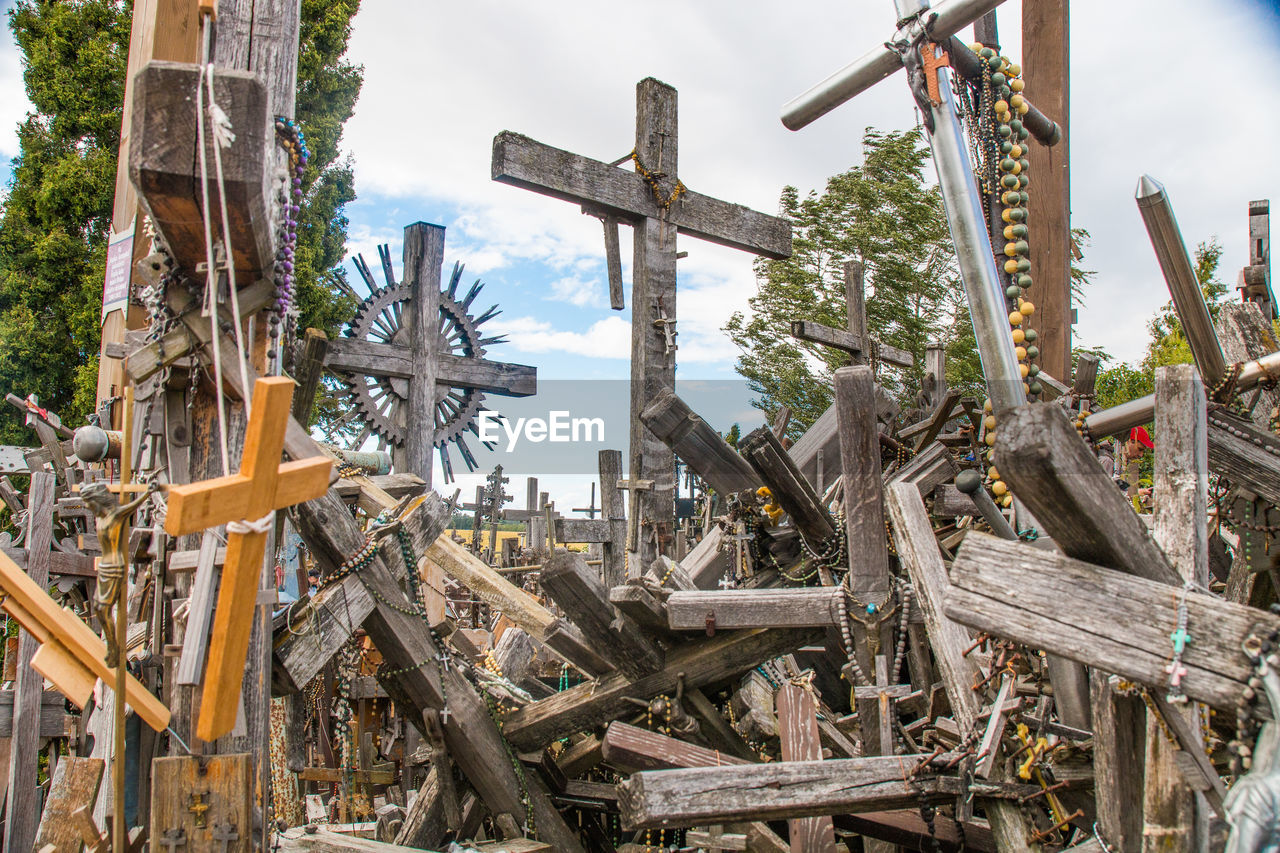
<point>199,506</point>
<point>523,162</point>
<point>808,330</point>
<point>353,355</point>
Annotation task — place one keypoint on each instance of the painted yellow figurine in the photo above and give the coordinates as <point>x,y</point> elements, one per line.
<point>110,517</point>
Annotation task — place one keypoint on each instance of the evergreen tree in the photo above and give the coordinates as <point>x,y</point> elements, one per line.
<point>56,219</point>
<point>883,213</point>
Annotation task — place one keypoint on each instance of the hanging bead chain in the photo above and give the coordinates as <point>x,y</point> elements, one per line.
<point>293,141</point>
<point>1180,638</point>
<point>1264,657</point>
<point>905,593</point>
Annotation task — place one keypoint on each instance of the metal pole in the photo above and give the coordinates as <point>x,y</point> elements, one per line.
<point>1180,275</point>
<point>967,222</point>
<point>970,483</point>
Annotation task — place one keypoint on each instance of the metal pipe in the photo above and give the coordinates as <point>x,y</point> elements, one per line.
<point>970,483</point>
<point>374,462</point>
<point>967,222</point>
<point>1179,274</point>
<point>1126,416</point>
<point>869,69</point>
<point>969,65</point>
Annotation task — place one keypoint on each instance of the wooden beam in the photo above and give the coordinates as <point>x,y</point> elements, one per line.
<point>369,358</point>
<point>817,333</point>
<point>1241,452</point>
<point>698,445</point>
<point>590,704</point>
<point>723,610</point>
<point>798,737</point>
<point>1118,623</point>
<point>788,486</point>
<point>864,517</point>
<point>523,162</point>
<point>423,257</point>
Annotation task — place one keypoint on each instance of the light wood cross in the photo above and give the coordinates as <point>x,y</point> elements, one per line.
<point>245,502</point>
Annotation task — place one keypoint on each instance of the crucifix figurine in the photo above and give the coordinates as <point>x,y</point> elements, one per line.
<point>110,518</point>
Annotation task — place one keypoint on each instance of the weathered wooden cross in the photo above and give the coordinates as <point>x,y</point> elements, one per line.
<point>922,43</point>
<point>246,502</point>
<point>855,341</point>
<point>658,205</point>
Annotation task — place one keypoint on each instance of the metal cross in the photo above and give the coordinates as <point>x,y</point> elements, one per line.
<point>226,833</point>
<point>925,44</point>
<point>444,715</point>
<point>174,838</point>
<point>198,807</point>
<point>725,582</point>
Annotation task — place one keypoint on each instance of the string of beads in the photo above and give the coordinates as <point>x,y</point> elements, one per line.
<point>293,141</point>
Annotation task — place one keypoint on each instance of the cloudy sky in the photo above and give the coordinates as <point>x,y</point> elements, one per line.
<point>1184,90</point>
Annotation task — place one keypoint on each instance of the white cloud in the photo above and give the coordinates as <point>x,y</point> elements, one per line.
<point>607,338</point>
<point>576,291</point>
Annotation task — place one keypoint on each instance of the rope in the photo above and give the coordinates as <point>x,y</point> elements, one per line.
<point>244,528</point>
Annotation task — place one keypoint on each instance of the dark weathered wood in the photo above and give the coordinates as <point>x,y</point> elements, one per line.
<point>516,651</point>
<point>613,507</point>
<point>723,610</point>
<point>642,606</point>
<point>424,826</point>
<point>783,789</point>
<point>798,736</point>
<point>1119,735</point>
<point>863,492</point>
<point>788,486</point>
<point>307,372</point>
<point>578,591</point>
<point>53,714</point>
<point>60,562</point>
<point>423,257</point>
<point>1116,622</point>
<point>164,164</point>
<point>698,445</point>
<point>74,784</point>
<point>586,705</point>
<point>631,749</point>
<point>356,355</point>
<point>522,162</point>
<point>814,332</point>
<point>1050,468</point>
<point>22,808</point>
<point>583,530</point>
<point>1086,376</point>
<point>928,469</point>
<point>1238,452</point>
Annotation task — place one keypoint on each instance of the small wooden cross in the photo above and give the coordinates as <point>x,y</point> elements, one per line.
<point>716,839</point>
<point>244,502</point>
<point>173,839</point>
<point>886,694</point>
<point>591,509</point>
<point>635,487</point>
<point>226,833</point>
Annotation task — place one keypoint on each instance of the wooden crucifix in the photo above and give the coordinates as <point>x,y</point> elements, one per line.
<point>1255,279</point>
<point>246,502</point>
<point>855,340</point>
<point>655,202</point>
<point>415,344</point>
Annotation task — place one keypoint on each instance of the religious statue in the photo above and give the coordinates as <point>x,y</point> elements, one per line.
<point>1253,804</point>
<point>110,517</point>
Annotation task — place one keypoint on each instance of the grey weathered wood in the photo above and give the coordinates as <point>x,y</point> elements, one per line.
<point>579,592</point>
<point>927,470</point>
<point>935,377</point>
<point>817,333</point>
<point>855,296</point>
<point>309,369</point>
<point>821,441</point>
<point>931,427</point>
<point>356,355</point>
<point>1050,468</point>
<point>522,162</point>
<point>783,789</point>
<point>863,491</point>
<point>1086,376</point>
<point>1119,735</point>
<point>53,714</point>
<point>60,562</point>
<point>164,164</point>
<point>22,807</point>
<point>811,607</point>
<point>74,784</point>
<point>1116,622</point>
<point>798,737</point>
<point>1255,279</point>
<point>583,530</point>
<point>423,257</point>
<point>424,825</point>
<point>1180,483</point>
<point>613,262</point>
<point>1246,335</point>
<point>613,507</point>
<point>587,705</point>
<point>706,563</point>
<point>516,651</point>
<point>698,445</point>
<point>788,486</point>
<point>1238,452</point>
<point>195,641</point>
<point>261,36</point>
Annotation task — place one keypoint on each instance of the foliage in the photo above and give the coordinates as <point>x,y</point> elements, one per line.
<point>882,213</point>
<point>56,219</point>
<point>57,216</point>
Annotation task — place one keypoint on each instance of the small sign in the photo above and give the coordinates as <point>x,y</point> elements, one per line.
<point>115,289</point>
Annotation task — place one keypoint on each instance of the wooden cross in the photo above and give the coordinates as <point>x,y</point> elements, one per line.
<point>417,358</point>
<point>716,839</point>
<point>634,487</point>
<point>1255,279</point>
<point>245,502</point>
<point>590,509</point>
<point>657,205</point>
<point>926,40</point>
<point>855,341</point>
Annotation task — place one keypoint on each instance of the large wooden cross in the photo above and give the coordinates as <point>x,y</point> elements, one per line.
<point>854,340</point>
<point>246,503</point>
<point>417,358</point>
<point>658,206</point>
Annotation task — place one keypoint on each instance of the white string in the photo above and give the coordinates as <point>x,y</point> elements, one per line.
<point>262,525</point>
<point>211,292</point>
<point>223,137</point>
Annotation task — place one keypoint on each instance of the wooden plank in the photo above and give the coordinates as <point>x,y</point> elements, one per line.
<point>1119,736</point>
<point>1240,452</point>
<point>370,358</point>
<point>590,704</point>
<point>1050,468</point>
<point>780,790</point>
<point>192,796</point>
<point>572,585</point>
<point>53,715</point>
<point>788,486</point>
<point>309,370</point>
<point>813,607</point>
<point>60,562</point>
<point>814,332</point>
<point>1118,623</point>
<point>195,641</point>
<point>164,157</point>
<point>821,438</point>
<point>523,162</point>
<point>698,445</point>
<point>583,530</point>
<point>22,807</point>
<point>869,577</point>
<point>74,784</point>
<point>612,507</point>
<point>798,736</point>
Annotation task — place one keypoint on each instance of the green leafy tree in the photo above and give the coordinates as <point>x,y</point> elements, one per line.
<point>883,213</point>
<point>1168,343</point>
<point>56,218</point>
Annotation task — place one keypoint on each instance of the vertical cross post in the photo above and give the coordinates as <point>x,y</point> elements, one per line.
<point>423,258</point>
